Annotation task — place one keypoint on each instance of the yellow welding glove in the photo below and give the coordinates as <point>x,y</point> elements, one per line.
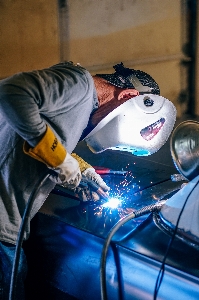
<point>86,169</point>
<point>50,151</point>
<point>83,165</point>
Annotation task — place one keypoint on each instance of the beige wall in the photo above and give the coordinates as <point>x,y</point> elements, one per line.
<point>143,34</point>
<point>101,32</point>
<point>28,35</point>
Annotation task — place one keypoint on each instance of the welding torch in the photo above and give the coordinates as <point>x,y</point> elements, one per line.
<point>85,182</point>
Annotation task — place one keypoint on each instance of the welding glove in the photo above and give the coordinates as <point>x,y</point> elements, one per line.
<point>86,193</point>
<point>51,152</point>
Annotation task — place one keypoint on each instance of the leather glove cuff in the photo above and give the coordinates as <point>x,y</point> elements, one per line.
<point>49,150</point>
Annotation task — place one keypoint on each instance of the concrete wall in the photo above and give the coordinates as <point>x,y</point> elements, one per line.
<point>29,36</point>
<point>104,31</point>
<point>143,34</point>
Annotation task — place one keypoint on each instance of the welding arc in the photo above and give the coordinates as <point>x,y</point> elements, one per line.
<point>144,210</point>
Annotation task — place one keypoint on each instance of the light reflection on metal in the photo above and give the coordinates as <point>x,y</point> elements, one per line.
<point>185,150</point>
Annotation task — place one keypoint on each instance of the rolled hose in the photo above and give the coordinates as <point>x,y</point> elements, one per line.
<point>144,210</point>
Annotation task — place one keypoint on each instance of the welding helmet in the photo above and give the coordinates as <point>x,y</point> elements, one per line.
<point>126,78</point>
<point>141,125</point>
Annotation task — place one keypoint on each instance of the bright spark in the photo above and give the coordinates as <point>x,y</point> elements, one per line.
<point>112,203</point>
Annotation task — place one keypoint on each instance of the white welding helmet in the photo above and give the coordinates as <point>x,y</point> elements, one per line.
<point>141,126</point>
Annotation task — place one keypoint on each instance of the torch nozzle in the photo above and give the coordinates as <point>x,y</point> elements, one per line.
<point>101,193</point>
<point>95,187</point>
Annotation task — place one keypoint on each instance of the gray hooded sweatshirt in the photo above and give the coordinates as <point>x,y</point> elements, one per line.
<point>62,96</point>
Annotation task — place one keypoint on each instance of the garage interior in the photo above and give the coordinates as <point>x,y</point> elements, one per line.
<point>67,237</point>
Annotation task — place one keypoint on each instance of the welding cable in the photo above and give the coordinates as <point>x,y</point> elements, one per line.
<point>144,210</point>
<point>20,237</point>
<point>162,268</point>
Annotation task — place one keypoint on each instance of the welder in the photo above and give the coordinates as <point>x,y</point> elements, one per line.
<point>43,115</point>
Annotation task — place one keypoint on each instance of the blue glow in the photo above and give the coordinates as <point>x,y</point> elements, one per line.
<point>112,203</point>
<point>141,152</point>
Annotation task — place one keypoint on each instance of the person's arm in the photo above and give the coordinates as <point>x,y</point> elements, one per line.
<point>22,113</point>
<point>21,101</point>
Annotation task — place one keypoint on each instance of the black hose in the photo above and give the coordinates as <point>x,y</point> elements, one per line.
<point>20,237</point>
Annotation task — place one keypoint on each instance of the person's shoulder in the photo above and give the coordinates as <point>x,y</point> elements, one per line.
<point>69,65</point>
<point>71,68</point>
